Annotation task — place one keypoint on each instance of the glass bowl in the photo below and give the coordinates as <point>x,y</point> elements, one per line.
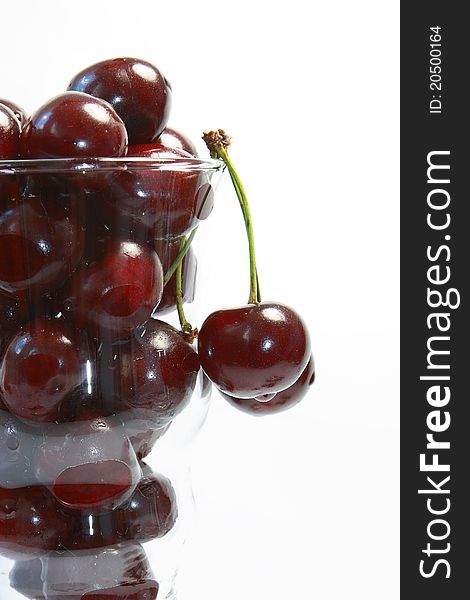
<point>100,392</point>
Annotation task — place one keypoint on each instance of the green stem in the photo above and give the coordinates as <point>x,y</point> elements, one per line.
<point>217,142</point>
<point>184,247</point>
<point>186,327</point>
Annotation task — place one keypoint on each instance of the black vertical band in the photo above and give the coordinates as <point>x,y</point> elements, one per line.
<point>435,274</point>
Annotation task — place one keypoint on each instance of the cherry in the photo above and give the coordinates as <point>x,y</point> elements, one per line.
<point>136,89</point>
<point>40,367</point>
<point>30,522</point>
<point>88,464</point>
<point>153,375</point>
<point>25,578</point>
<point>16,449</point>
<point>74,125</point>
<point>282,400</point>
<point>118,292</point>
<point>9,134</point>
<point>149,513</point>
<point>158,203</point>
<point>168,252</point>
<point>19,112</point>
<point>41,242</point>
<point>176,139</point>
<point>255,349</point>
<point>118,572</point>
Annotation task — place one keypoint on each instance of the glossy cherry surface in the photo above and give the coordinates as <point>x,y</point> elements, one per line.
<point>153,375</point>
<point>41,242</point>
<point>88,464</point>
<point>150,512</point>
<point>19,112</point>
<point>30,521</point>
<point>176,139</point>
<point>40,367</point>
<point>282,400</point>
<point>255,349</point>
<point>9,134</point>
<point>118,572</point>
<point>136,89</point>
<point>161,203</point>
<point>118,292</point>
<point>74,125</point>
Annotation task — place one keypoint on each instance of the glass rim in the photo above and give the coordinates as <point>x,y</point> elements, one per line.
<point>106,164</point>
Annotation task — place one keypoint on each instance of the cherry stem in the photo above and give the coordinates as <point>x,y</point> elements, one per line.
<point>187,329</point>
<point>180,256</point>
<point>218,142</point>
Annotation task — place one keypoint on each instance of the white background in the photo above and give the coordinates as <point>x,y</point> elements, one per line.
<point>305,504</point>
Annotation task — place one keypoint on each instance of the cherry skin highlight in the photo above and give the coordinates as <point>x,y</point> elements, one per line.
<point>152,376</point>
<point>175,139</point>
<point>150,512</point>
<point>157,204</point>
<point>137,91</point>
<point>30,522</point>
<point>117,293</point>
<point>41,242</point>
<point>254,350</point>
<point>282,400</point>
<point>19,112</point>
<point>74,125</point>
<point>40,367</point>
<point>9,134</point>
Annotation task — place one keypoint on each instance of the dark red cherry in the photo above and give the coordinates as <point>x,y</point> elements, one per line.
<point>158,203</point>
<point>153,375</point>
<point>74,125</point>
<point>31,522</point>
<point>137,91</point>
<point>25,578</point>
<point>41,243</point>
<point>88,464</point>
<point>168,251</point>
<point>150,512</point>
<point>19,112</point>
<point>118,292</point>
<point>254,350</point>
<point>17,444</point>
<point>40,367</point>
<point>9,134</point>
<point>176,139</point>
<point>282,400</point>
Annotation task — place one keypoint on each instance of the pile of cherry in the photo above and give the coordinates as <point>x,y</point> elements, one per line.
<point>90,376</point>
